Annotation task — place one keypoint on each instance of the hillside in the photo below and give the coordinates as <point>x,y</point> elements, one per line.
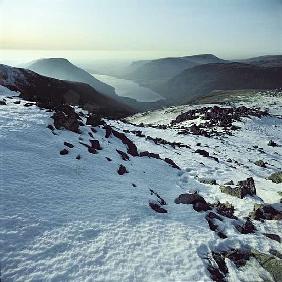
<point>141,199</point>
<point>201,80</point>
<point>153,72</point>
<point>61,68</point>
<point>50,92</point>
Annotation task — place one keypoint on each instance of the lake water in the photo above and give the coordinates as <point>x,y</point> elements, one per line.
<point>128,88</point>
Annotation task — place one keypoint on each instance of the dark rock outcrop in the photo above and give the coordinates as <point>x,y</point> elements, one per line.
<point>122,170</point>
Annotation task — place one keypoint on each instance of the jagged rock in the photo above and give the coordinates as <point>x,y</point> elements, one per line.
<point>209,181</point>
<point>122,170</point>
<point>260,163</point>
<point>94,120</point>
<point>225,209</point>
<point>123,155</point>
<point>243,188</point>
<point>157,207</point>
<point>172,163</point>
<point>268,212</point>
<point>65,117</point>
<point>276,177</point>
<point>272,143</point>
<point>95,144</point>
<point>270,263</point>
<point>64,152</point>
<point>68,144</point>
<point>273,237</point>
<point>202,152</point>
<point>149,154</point>
<point>247,228</point>
<point>131,147</point>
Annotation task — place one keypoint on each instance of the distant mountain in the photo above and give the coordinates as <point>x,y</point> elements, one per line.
<point>52,92</point>
<point>154,72</point>
<point>201,80</point>
<point>61,68</point>
<point>266,61</point>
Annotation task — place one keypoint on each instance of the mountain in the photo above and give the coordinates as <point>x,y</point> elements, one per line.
<point>266,61</point>
<point>51,92</point>
<point>154,72</point>
<point>201,80</point>
<point>61,68</point>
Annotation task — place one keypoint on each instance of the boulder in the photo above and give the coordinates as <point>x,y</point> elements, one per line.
<point>95,144</point>
<point>276,177</point>
<point>67,144</point>
<point>260,163</point>
<point>122,170</point>
<point>157,207</point>
<point>64,152</point>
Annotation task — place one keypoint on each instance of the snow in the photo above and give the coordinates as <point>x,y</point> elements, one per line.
<point>66,219</point>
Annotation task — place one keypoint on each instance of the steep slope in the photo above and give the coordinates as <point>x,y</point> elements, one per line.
<point>201,80</point>
<point>51,92</point>
<point>61,68</point>
<point>74,216</point>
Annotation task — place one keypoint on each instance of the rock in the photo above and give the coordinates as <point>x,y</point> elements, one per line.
<point>90,134</point>
<point>273,237</point>
<point>265,212</point>
<point>229,160</point>
<point>189,199</point>
<point>94,120</point>
<point>247,228</point>
<point>68,145</point>
<point>172,163</point>
<point>108,159</point>
<point>64,152</point>
<point>134,185</point>
<point>17,102</point>
<point>209,181</point>
<point>225,209</point>
<point>243,188</point>
<point>157,207</point>
<point>272,143</point>
<point>200,206</point>
<point>122,170</point>
<point>270,263</point>
<point>3,103</point>
<point>51,127</point>
<point>276,177</point>
<point>160,199</point>
<point>92,150</point>
<point>260,163</point>
<point>95,144</point>
<point>202,152</point>
<point>65,117</point>
<point>78,157</point>
<point>149,154</point>
<point>123,155</point>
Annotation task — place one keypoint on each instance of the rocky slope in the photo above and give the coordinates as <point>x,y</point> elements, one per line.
<point>145,198</point>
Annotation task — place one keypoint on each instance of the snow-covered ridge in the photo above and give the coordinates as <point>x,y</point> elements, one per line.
<point>70,218</point>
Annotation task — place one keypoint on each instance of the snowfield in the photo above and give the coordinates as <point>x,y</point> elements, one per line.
<point>69,219</point>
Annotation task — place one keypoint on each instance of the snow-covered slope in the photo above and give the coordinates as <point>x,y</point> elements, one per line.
<point>66,218</point>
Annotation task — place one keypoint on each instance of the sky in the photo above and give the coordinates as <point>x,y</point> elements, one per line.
<point>227,28</point>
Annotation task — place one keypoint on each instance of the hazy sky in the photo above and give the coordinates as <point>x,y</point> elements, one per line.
<point>227,28</point>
